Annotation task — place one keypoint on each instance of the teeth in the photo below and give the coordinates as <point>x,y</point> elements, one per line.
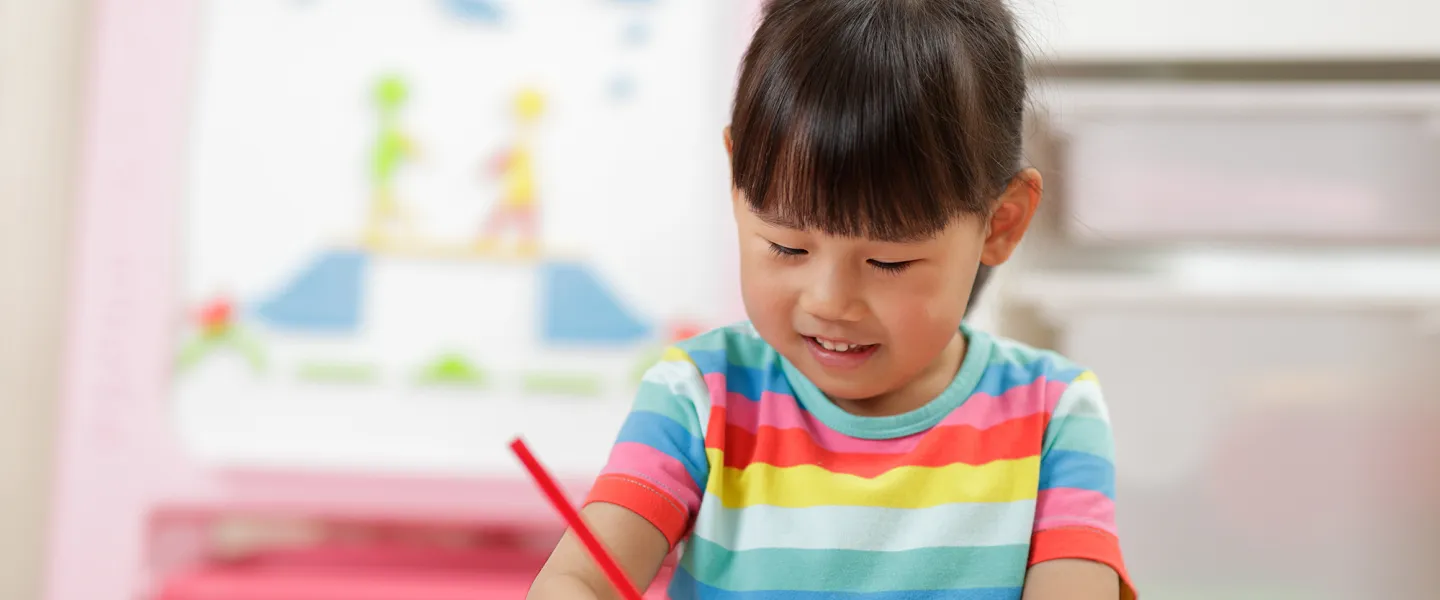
<point>837,346</point>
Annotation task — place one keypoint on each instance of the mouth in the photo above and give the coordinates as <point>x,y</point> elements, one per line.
<point>839,345</point>
<point>839,354</point>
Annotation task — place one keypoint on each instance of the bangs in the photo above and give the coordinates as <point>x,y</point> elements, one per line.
<point>866,121</point>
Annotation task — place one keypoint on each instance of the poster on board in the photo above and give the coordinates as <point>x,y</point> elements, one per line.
<point>414,229</point>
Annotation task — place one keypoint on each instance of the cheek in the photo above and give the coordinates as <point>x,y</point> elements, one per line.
<point>923,307</point>
<point>767,293</point>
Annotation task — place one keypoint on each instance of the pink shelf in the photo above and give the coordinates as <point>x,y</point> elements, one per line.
<point>375,573</point>
<point>372,497</point>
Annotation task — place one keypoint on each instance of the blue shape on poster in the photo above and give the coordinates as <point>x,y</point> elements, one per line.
<point>476,10</point>
<point>637,33</point>
<point>324,298</point>
<point>622,87</point>
<point>576,308</point>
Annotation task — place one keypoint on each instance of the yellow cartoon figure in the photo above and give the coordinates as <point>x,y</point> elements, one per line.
<point>516,212</point>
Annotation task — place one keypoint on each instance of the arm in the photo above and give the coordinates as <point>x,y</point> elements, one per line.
<point>643,501</point>
<point>1074,549</point>
<point>1071,579</point>
<point>634,543</point>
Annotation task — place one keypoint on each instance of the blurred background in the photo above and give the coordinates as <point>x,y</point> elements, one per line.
<point>280,278</point>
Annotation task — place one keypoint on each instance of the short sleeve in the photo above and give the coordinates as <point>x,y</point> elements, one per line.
<point>658,466</point>
<point>1075,508</point>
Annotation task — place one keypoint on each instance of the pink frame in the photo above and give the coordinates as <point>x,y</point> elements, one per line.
<point>117,461</point>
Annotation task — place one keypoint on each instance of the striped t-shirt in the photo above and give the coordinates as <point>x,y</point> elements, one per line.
<point>775,492</point>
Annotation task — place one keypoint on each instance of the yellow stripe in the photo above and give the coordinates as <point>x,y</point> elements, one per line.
<point>1086,376</point>
<point>673,353</point>
<point>904,487</point>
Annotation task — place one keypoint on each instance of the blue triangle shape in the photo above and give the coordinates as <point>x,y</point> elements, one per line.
<point>578,309</point>
<point>325,298</point>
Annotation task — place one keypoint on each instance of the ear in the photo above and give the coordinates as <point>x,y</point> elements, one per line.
<point>1011,217</point>
<point>730,155</point>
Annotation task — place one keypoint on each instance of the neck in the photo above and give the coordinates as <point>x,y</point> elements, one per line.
<point>920,391</point>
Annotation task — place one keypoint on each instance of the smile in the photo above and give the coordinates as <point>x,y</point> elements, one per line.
<point>838,354</point>
<point>838,346</point>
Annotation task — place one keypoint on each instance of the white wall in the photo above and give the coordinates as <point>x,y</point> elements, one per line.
<point>1232,29</point>
<point>40,53</point>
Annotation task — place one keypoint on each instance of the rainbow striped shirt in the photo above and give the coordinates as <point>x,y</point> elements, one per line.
<point>775,492</point>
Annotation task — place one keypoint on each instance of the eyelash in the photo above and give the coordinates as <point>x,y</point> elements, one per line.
<point>892,268</point>
<point>786,252</point>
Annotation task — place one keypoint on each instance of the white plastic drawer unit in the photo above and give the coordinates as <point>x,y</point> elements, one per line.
<point>1280,452</point>
<point>1269,161</point>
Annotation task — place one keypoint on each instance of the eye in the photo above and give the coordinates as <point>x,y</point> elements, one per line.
<point>891,267</point>
<point>785,252</point>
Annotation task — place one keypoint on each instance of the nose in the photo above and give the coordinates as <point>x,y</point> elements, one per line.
<point>833,295</point>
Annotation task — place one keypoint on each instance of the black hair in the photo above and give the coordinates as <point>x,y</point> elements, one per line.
<point>885,119</point>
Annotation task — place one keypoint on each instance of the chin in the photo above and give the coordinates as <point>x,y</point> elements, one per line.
<point>848,393</point>
<point>855,388</point>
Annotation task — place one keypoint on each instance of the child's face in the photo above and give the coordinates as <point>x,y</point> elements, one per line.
<point>815,297</point>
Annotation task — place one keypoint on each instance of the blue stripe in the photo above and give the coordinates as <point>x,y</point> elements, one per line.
<point>1001,378</point>
<point>709,361</point>
<point>746,381</point>
<point>683,586</point>
<point>664,434</point>
<point>1080,470</point>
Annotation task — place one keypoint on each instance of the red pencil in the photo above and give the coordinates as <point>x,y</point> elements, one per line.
<point>572,518</point>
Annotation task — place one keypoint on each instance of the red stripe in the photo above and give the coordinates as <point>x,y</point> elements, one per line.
<point>1085,544</point>
<point>648,501</point>
<point>942,446</point>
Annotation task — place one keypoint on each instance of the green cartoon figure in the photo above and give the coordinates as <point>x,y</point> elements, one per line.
<point>393,149</point>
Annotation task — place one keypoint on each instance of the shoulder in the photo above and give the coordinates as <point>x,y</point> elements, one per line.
<point>1056,376</point>
<point>733,358</point>
<point>1045,381</point>
<point>1076,416</point>
<point>1025,360</point>
<point>723,349</point>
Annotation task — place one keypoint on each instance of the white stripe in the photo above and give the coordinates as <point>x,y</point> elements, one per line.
<point>1081,399</point>
<point>684,379</point>
<point>866,528</point>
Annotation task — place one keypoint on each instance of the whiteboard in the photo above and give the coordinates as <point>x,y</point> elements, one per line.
<point>325,329</point>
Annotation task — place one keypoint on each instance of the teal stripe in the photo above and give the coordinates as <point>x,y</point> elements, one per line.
<point>658,399</point>
<point>684,587</point>
<point>741,349</point>
<point>1013,352</point>
<point>856,571</point>
<point>718,338</point>
<point>1083,434</point>
<point>869,528</point>
<point>712,340</point>
<point>1080,405</point>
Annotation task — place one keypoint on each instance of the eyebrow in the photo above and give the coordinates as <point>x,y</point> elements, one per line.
<point>789,222</point>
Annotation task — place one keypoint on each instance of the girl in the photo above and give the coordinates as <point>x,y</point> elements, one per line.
<point>856,439</point>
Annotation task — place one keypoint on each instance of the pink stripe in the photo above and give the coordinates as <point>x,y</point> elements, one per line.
<point>652,465</point>
<point>781,411</point>
<point>1070,507</point>
<point>715,382</point>
<point>983,411</point>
